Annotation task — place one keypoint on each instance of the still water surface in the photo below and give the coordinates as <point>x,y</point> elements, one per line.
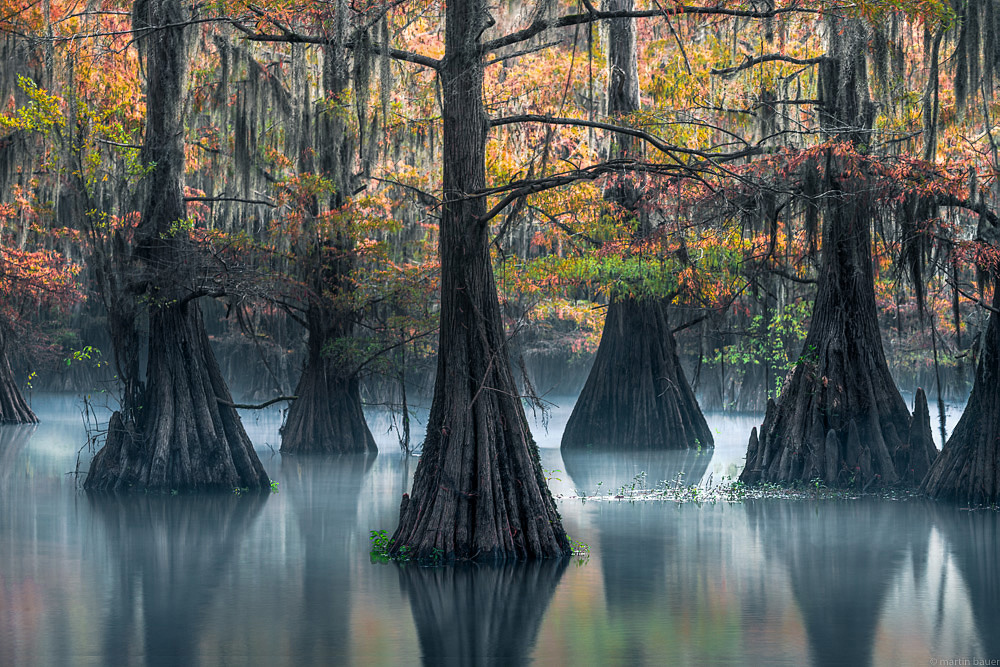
<point>285,579</point>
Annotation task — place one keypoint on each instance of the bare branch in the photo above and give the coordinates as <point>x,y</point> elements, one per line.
<point>425,198</point>
<point>653,140</point>
<point>297,38</point>
<point>540,25</point>
<point>375,355</point>
<point>258,406</point>
<point>981,209</point>
<point>118,144</point>
<point>522,52</point>
<point>770,57</point>
<point>973,298</point>
<point>791,276</point>
<point>262,202</point>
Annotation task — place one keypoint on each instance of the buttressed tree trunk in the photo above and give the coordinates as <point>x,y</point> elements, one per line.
<point>839,417</point>
<point>478,492</point>
<point>636,396</point>
<point>13,408</point>
<point>185,435</point>
<point>327,416</point>
<point>968,468</point>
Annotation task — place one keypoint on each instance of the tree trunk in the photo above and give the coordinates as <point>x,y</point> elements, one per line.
<point>187,438</point>
<point>13,408</point>
<point>326,418</point>
<point>968,468</point>
<point>841,382</point>
<point>636,396</point>
<point>479,492</point>
<point>184,435</point>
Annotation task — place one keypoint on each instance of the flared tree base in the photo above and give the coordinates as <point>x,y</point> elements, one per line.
<point>968,468</point>
<point>13,408</point>
<point>840,419</point>
<point>478,492</point>
<point>186,435</point>
<point>326,418</point>
<point>637,397</point>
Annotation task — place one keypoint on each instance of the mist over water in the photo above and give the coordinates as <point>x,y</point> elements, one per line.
<point>285,579</point>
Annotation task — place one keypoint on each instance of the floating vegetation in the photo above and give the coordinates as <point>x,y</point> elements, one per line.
<point>729,490</point>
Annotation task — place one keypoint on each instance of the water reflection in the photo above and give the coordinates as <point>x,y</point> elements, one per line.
<point>470,615</point>
<point>323,493</point>
<point>974,546</point>
<point>604,473</point>
<point>632,554</point>
<point>841,560</point>
<point>287,580</point>
<point>172,553</point>
<point>13,440</point>
<point>632,566</point>
<point>669,582</point>
<point>639,545</point>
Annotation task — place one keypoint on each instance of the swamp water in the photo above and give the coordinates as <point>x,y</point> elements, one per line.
<point>285,579</point>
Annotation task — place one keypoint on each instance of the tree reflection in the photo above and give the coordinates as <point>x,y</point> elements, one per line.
<point>841,559</point>
<point>324,492</point>
<point>468,615</point>
<point>632,554</point>
<point>172,553</point>
<point>13,440</point>
<point>974,544</point>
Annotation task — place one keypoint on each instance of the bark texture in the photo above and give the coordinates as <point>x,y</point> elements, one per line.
<point>968,468</point>
<point>327,417</point>
<point>487,615</point>
<point>636,396</point>
<point>13,408</point>
<point>184,434</point>
<point>840,416</point>
<point>186,438</point>
<point>478,492</point>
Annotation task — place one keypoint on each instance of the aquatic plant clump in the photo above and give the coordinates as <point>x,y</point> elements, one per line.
<point>728,490</point>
